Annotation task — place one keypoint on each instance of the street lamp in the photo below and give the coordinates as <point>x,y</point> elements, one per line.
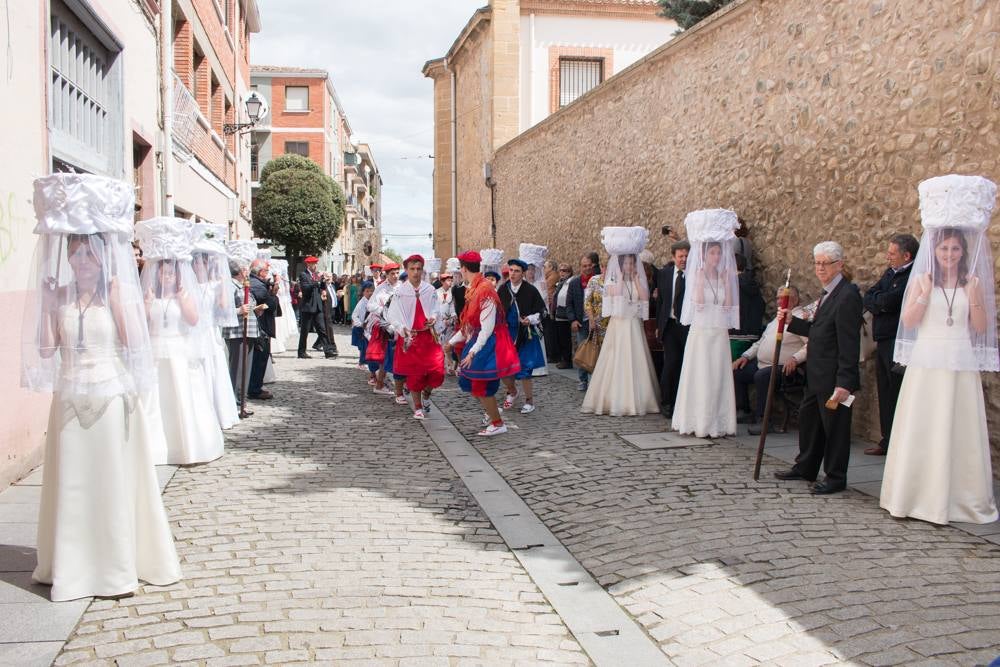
<point>256,110</point>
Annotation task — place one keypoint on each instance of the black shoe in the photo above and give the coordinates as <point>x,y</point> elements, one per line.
<point>755,429</point>
<point>791,473</point>
<point>667,411</point>
<point>331,355</point>
<point>303,355</point>
<point>825,488</point>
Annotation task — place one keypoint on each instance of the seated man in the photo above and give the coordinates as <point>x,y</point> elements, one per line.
<point>754,366</point>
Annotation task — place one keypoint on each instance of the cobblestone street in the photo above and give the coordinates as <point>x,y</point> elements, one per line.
<point>335,531</point>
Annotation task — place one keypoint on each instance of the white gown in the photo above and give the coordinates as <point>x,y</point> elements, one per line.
<point>189,419</point>
<point>101,526</point>
<point>217,369</point>
<point>624,381</point>
<point>706,399</point>
<point>938,465</point>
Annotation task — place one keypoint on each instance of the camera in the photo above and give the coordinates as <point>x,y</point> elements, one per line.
<point>666,230</point>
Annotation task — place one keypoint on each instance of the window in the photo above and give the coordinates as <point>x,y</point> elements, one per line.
<point>86,91</point>
<point>297,148</point>
<point>296,98</point>
<point>254,162</point>
<point>577,76</point>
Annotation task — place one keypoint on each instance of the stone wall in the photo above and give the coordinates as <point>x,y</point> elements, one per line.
<point>812,120</point>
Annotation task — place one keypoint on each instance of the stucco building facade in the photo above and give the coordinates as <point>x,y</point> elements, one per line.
<point>514,63</point>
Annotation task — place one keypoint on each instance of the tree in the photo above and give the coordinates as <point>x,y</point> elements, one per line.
<point>688,12</point>
<point>392,254</point>
<point>298,206</point>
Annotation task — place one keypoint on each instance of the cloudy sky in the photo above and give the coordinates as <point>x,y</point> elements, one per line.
<point>374,51</point>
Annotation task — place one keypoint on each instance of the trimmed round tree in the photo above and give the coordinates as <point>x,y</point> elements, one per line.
<point>689,12</point>
<point>298,206</point>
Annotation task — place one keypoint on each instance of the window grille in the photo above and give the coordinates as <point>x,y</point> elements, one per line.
<point>83,94</point>
<point>296,98</point>
<point>577,76</point>
<point>297,148</point>
<point>254,162</point>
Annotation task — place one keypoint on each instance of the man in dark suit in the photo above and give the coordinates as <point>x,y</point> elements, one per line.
<point>884,300</point>
<point>578,321</point>
<point>832,374</point>
<point>265,293</point>
<point>312,293</point>
<point>669,295</point>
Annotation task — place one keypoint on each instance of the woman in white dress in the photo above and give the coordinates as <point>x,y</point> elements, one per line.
<point>180,350</point>
<point>102,526</point>
<point>706,400</point>
<point>938,467</point>
<point>210,268</point>
<point>624,381</point>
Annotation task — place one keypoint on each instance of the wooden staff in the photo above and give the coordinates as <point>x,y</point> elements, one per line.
<point>783,295</point>
<point>245,350</point>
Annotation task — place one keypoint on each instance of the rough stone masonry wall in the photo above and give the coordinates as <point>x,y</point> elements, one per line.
<point>812,120</point>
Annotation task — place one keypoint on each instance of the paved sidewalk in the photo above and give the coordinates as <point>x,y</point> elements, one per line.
<point>334,531</point>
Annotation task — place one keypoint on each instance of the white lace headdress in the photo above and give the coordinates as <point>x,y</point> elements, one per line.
<point>626,291</point>
<point>711,294</point>
<point>944,294</point>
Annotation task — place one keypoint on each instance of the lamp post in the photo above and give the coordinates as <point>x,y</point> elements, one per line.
<point>256,110</point>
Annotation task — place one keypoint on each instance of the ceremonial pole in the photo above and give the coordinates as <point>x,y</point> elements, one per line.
<point>775,369</point>
<point>245,350</point>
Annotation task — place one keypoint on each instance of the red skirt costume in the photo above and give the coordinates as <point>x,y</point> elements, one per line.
<point>498,358</point>
<point>422,362</point>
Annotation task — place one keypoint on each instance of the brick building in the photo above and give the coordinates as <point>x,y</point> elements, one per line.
<point>211,80</point>
<point>514,63</point>
<point>307,118</point>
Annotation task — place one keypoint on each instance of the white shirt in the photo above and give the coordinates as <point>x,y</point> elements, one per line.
<point>792,345</point>
<point>562,295</point>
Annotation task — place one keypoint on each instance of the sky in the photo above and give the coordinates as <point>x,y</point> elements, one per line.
<point>375,51</point>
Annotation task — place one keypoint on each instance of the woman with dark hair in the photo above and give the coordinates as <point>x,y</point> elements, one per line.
<point>706,398</point>
<point>938,466</point>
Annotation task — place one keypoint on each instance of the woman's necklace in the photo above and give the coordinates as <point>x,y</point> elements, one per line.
<point>951,302</point>
<point>81,312</point>
<point>715,292</point>
<point>628,291</point>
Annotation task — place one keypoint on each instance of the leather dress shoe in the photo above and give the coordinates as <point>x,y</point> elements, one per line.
<point>826,488</point>
<point>264,395</point>
<point>875,450</point>
<point>305,356</point>
<point>791,473</point>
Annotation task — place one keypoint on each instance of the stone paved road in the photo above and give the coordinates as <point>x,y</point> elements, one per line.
<point>722,570</point>
<point>333,531</point>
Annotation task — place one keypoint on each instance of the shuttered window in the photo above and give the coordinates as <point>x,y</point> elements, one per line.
<point>296,98</point>
<point>577,76</point>
<point>85,93</point>
<point>297,148</point>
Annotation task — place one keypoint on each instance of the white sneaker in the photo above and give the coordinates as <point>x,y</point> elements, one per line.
<point>384,391</point>
<point>400,400</point>
<point>492,430</point>
<point>418,414</point>
<point>527,408</point>
<point>508,401</point>
<point>486,417</point>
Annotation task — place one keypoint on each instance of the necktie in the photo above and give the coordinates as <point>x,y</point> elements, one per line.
<point>678,294</point>
<point>822,295</point>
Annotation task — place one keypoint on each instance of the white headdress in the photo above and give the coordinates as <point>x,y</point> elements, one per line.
<point>211,270</point>
<point>626,291</point>
<point>492,260</point>
<point>85,332</point>
<point>711,295</point>
<point>431,265</point>
<point>453,265</point>
<point>243,251</point>
<point>535,255</point>
<point>169,285</point>
<point>936,327</point>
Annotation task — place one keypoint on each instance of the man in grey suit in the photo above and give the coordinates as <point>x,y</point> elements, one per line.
<point>832,374</point>
<point>579,323</point>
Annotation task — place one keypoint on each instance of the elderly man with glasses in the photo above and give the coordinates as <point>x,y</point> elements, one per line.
<point>832,374</point>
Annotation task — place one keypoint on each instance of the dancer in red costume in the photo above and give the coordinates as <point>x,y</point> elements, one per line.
<point>489,352</point>
<point>418,355</point>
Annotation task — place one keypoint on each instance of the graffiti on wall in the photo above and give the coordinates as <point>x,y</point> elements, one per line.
<point>12,221</point>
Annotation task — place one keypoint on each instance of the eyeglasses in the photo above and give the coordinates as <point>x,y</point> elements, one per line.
<point>826,264</point>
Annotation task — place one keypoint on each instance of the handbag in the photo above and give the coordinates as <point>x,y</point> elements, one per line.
<point>868,344</point>
<point>587,353</point>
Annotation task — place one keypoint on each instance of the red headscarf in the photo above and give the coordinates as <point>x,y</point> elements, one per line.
<point>478,293</point>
